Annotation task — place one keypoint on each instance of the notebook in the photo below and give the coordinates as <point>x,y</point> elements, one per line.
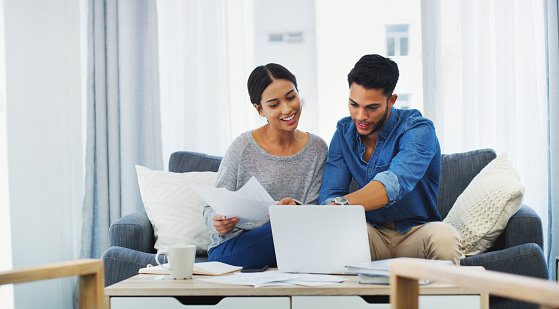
<point>203,268</point>
<point>319,239</point>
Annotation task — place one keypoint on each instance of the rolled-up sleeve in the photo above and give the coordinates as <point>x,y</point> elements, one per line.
<point>418,145</point>
<point>391,185</point>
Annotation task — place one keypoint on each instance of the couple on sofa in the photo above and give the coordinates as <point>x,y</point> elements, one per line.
<point>393,155</point>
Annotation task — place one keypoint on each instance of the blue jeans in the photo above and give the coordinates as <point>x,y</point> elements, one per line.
<point>251,248</point>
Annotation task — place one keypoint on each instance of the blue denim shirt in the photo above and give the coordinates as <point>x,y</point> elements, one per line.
<point>406,160</point>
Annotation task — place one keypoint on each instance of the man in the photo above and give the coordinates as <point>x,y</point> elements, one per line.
<point>395,158</point>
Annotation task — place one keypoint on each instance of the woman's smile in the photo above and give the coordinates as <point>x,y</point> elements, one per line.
<point>289,119</point>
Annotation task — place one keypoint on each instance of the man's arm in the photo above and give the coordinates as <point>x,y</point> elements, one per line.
<point>417,146</point>
<point>336,177</point>
<point>372,196</point>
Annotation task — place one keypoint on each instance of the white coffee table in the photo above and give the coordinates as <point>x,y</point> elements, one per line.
<point>161,292</point>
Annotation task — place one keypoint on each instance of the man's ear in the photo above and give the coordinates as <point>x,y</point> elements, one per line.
<point>392,100</point>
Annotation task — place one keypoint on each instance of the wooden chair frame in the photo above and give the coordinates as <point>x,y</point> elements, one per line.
<point>90,272</point>
<point>404,287</point>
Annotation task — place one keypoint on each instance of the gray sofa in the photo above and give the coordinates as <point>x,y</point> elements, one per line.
<point>518,250</point>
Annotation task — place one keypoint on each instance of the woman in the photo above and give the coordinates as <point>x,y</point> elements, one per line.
<point>287,162</point>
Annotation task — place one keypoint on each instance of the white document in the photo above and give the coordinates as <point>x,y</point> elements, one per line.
<point>274,278</point>
<point>249,202</point>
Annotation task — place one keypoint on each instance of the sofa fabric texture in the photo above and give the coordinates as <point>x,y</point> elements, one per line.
<point>518,250</point>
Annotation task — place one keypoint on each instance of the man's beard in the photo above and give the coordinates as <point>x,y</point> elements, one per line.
<point>380,123</point>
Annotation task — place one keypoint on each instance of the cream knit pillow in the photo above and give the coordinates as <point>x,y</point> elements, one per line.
<point>173,208</point>
<point>481,212</point>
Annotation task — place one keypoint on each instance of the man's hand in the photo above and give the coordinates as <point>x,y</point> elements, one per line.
<point>224,225</point>
<point>287,201</point>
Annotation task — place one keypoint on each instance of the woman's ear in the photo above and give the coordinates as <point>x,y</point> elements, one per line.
<point>258,109</point>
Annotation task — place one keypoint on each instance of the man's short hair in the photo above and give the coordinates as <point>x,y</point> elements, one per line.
<point>375,72</point>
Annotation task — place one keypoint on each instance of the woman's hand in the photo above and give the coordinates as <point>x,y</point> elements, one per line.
<point>287,201</point>
<point>224,225</point>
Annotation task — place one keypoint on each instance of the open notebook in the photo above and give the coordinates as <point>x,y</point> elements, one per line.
<point>203,268</point>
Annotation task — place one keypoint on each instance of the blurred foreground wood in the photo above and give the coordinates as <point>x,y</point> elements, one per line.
<point>89,271</point>
<point>404,288</point>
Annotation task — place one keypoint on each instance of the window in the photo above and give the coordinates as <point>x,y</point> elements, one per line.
<point>403,101</point>
<point>397,37</point>
<point>319,51</point>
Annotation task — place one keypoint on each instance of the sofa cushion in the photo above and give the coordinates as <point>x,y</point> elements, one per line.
<point>457,171</point>
<point>482,211</point>
<point>189,161</point>
<point>173,208</point>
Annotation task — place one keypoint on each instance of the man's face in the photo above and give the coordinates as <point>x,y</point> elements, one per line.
<point>369,108</point>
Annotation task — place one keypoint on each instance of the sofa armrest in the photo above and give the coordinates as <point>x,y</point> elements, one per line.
<point>133,231</point>
<point>524,227</point>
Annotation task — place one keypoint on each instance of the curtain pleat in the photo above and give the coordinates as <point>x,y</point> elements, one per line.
<point>123,117</point>
<point>553,101</point>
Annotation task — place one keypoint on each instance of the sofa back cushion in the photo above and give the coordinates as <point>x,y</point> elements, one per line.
<point>457,171</point>
<point>188,161</point>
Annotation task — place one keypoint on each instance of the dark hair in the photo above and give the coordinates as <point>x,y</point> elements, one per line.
<point>375,72</point>
<point>262,76</point>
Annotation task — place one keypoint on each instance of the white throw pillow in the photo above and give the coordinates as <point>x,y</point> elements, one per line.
<point>482,211</point>
<point>173,208</point>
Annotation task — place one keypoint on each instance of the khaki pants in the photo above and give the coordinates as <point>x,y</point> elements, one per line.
<point>433,240</point>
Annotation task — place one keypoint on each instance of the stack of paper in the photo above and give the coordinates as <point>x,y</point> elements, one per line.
<point>275,278</point>
<point>378,272</point>
<point>204,268</point>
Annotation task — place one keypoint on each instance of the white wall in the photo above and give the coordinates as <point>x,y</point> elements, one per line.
<point>347,30</point>
<point>272,16</point>
<point>44,141</point>
<point>6,291</point>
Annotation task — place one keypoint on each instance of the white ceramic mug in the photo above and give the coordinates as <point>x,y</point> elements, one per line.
<point>181,260</point>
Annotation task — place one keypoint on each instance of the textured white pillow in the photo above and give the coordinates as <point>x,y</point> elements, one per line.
<point>173,208</point>
<point>482,211</point>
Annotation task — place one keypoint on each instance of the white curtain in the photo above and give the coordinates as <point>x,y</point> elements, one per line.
<point>485,83</point>
<point>123,123</point>
<point>553,95</point>
<point>205,49</point>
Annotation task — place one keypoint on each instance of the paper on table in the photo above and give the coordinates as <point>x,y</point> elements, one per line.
<point>270,278</point>
<point>249,202</point>
<point>203,268</point>
<point>382,267</point>
<point>214,268</point>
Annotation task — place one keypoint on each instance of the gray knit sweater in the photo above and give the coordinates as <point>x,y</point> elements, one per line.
<point>298,176</point>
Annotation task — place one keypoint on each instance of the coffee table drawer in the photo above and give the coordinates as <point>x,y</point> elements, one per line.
<point>382,302</point>
<point>336,302</point>
<point>224,303</point>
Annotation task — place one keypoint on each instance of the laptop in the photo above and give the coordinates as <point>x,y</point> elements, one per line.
<point>320,239</point>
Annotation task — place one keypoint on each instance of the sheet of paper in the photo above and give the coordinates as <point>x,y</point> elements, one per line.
<point>249,202</point>
<point>254,189</point>
<point>274,278</point>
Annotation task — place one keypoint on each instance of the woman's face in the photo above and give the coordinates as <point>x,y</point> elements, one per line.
<point>280,105</point>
